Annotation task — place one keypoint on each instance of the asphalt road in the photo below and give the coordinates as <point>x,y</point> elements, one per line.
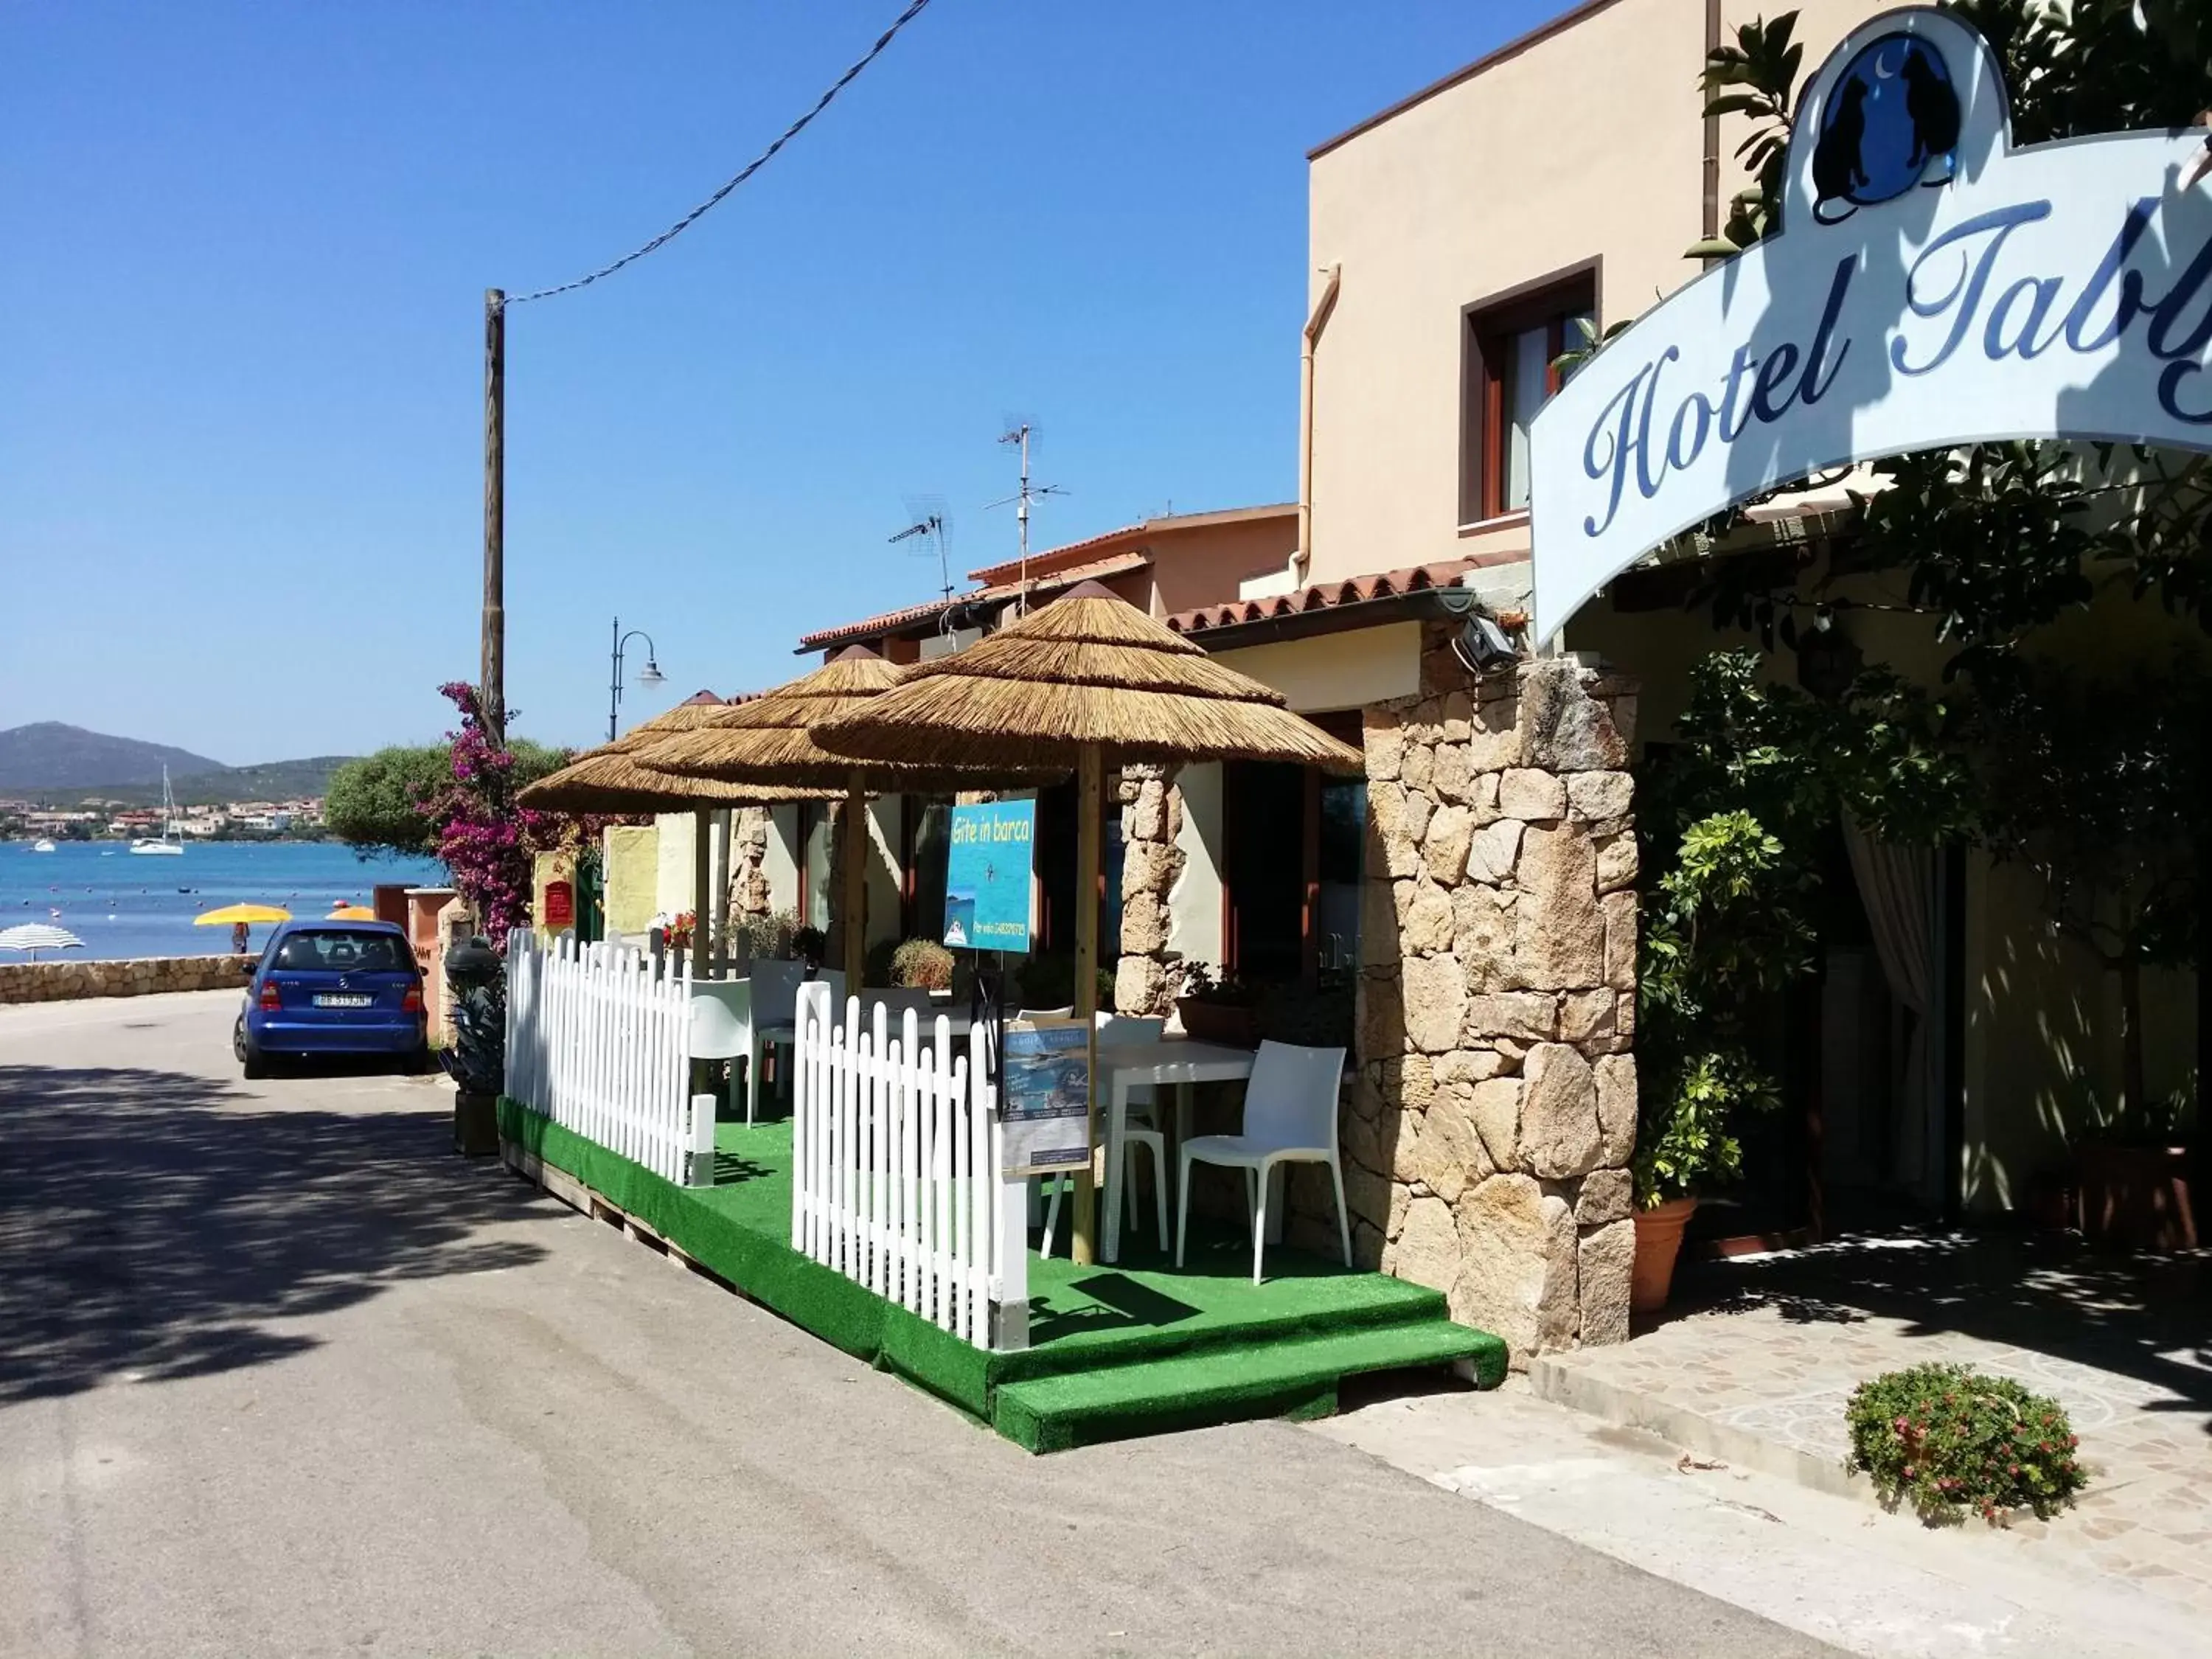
<point>281,1375</point>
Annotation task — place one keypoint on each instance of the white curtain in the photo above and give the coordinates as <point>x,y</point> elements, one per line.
<point>1896,887</point>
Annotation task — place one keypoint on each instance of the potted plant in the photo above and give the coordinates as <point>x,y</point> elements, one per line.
<point>922,964</point>
<point>1218,1008</point>
<point>1731,817</point>
<point>1687,1147</point>
<point>2131,1174</point>
<point>1720,931</point>
<point>764,935</point>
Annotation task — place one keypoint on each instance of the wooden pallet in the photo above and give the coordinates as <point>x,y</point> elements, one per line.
<point>560,1184</point>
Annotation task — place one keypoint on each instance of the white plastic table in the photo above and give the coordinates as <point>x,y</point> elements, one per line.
<point>1179,1061</point>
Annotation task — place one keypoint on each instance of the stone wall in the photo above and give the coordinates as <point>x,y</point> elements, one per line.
<point>1489,1135</point>
<point>55,981</point>
<point>1150,970</point>
<point>748,885</point>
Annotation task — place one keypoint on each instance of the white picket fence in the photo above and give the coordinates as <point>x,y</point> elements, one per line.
<point>599,1043</point>
<point>895,1144</point>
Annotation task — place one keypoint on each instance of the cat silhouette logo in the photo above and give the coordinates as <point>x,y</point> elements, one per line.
<point>1891,124</point>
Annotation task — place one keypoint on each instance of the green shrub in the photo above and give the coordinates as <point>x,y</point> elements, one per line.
<point>1948,1440</point>
<point>765,936</point>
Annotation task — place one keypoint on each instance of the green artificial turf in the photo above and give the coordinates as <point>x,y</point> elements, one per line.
<point>1294,1379</point>
<point>1138,1347</point>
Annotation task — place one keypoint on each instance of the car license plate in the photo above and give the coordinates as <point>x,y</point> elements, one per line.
<point>334,1000</point>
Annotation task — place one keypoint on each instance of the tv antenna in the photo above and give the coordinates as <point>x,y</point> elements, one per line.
<point>931,524</point>
<point>1020,433</point>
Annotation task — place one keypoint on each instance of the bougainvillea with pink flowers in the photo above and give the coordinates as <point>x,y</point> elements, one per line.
<point>487,841</point>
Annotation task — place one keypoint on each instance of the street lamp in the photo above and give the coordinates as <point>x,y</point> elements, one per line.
<point>649,675</point>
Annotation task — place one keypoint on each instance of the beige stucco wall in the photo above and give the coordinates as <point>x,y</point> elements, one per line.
<point>1194,901</point>
<point>1327,672</point>
<point>1584,145</point>
<point>632,859</point>
<point>1203,564</point>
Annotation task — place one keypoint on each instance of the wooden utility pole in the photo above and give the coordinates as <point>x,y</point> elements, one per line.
<point>1090,807</point>
<point>492,686</point>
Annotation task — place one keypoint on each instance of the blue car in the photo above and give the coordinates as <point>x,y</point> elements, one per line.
<point>332,987</point>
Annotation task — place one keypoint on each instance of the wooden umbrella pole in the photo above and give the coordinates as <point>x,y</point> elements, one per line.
<point>1090,805</point>
<point>854,895</point>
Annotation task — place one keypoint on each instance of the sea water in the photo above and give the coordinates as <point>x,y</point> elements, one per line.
<point>121,904</point>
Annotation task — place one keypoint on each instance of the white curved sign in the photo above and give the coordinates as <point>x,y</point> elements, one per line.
<point>1932,286</point>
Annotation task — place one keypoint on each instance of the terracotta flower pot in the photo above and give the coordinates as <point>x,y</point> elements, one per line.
<point>1230,1023</point>
<point>2137,1197</point>
<point>1658,1241</point>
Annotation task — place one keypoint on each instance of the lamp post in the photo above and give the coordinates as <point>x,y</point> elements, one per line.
<point>649,675</point>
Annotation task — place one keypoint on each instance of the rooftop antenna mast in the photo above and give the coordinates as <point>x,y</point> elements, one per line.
<point>1019,434</point>
<point>930,524</point>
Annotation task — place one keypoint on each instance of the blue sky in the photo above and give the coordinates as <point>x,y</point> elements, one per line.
<point>241,279</point>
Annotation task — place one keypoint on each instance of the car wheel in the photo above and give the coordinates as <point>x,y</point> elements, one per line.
<point>253,1063</point>
<point>238,1039</point>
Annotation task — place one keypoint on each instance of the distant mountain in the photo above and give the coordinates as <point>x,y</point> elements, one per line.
<point>62,764</point>
<point>291,780</point>
<point>49,756</point>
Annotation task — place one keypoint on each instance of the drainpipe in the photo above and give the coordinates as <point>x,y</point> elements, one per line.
<point>1314,323</point>
<point>1712,217</point>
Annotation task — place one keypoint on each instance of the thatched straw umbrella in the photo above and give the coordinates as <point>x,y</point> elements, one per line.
<point>1091,673</point>
<point>766,743</point>
<point>608,781</point>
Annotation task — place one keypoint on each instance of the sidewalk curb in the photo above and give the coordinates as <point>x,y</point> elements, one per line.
<point>1567,1385</point>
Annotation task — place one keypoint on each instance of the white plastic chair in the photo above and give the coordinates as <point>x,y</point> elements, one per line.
<point>1290,1117</point>
<point>775,1012</point>
<point>1126,1029</point>
<point>722,1026</point>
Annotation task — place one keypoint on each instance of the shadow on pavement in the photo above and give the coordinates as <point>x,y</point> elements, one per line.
<point>144,1231</point>
<point>2143,1317</point>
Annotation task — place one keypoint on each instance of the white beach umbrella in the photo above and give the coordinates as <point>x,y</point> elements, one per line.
<point>37,936</point>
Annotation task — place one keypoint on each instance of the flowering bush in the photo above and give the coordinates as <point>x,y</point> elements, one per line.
<point>486,841</point>
<point>1948,1440</point>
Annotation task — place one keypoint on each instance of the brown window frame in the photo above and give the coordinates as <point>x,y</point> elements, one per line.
<point>1487,330</point>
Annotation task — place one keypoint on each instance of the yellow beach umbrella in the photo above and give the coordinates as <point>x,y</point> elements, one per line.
<point>231,914</point>
<point>352,913</point>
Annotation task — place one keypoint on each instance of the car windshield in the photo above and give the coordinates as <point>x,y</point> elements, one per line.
<point>336,951</point>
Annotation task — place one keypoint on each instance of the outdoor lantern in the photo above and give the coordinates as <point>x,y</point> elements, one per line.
<point>1827,661</point>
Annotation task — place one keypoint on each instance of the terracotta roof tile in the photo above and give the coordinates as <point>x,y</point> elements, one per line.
<point>1323,596</point>
<point>1051,559</point>
<point>1118,564</point>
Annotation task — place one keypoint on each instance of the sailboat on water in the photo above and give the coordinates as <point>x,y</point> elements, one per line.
<point>167,842</point>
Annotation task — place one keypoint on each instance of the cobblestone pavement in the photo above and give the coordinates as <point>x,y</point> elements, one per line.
<point>1759,1362</point>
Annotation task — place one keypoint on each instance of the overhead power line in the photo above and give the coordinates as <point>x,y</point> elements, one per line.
<point>913,11</point>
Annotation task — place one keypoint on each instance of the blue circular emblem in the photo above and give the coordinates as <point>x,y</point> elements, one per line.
<point>1891,122</point>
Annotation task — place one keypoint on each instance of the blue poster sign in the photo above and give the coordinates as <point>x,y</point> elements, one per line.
<point>1046,1102</point>
<point>986,875</point>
